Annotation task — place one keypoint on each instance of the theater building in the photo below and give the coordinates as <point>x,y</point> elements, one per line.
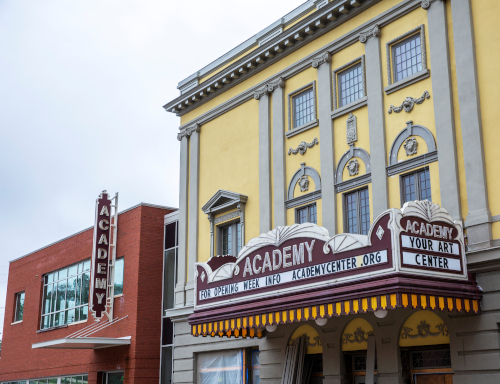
<point>339,217</point>
<point>50,333</point>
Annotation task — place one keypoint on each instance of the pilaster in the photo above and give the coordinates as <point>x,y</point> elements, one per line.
<point>443,109</point>
<point>478,219</point>
<point>264,159</point>
<point>326,144</point>
<point>376,120</point>
<point>279,179</point>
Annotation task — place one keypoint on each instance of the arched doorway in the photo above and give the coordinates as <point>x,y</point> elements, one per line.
<point>425,350</point>
<point>304,357</point>
<point>354,349</point>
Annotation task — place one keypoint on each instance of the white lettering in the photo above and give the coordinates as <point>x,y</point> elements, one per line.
<point>287,256</point>
<point>267,263</point>
<point>102,253</point>
<point>101,224</point>
<point>310,250</point>
<point>100,283</point>
<point>104,211</point>
<point>99,297</point>
<point>101,268</point>
<point>276,264</point>
<point>256,270</point>
<point>298,254</point>
<point>103,239</point>
<point>248,267</point>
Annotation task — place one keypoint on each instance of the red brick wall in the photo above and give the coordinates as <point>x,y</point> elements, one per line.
<point>140,241</point>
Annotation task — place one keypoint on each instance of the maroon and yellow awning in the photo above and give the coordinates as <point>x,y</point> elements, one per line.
<point>253,325</point>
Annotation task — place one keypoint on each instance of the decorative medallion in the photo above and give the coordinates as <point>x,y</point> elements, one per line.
<point>304,183</point>
<point>411,146</point>
<point>353,167</point>
<point>409,103</point>
<point>352,129</point>
<point>424,330</point>
<point>302,148</point>
<point>359,336</point>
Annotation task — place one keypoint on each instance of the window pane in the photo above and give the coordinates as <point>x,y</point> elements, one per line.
<point>71,293</point>
<point>166,365</point>
<point>409,54</point>
<point>19,306</point>
<point>170,235</point>
<point>61,295</point>
<point>238,238</point>
<point>227,241</point>
<point>352,213</point>
<point>303,111</point>
<point>119,271</point>
<point>115,378</point>
<point>47,298</point>
<point>255,367</point>
<point>425,185</point>
<point>302,216</point>
<point>351,85</point>
<point>409,188</point>
<point>85,287</point>
<point>169,278</point>
<point>313,217</point>
<point>222,367</point>
<point>85,379</point>
<point>365,211</point>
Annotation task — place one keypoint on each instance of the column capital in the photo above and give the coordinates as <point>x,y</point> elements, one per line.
<point>374,32</point>
<point>188,131</point>
<point>269,88</point>
<point>324,58</point>
<point>426,4</point>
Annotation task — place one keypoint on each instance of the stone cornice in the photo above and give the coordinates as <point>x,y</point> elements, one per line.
<point>313,26</point>
<point>351,37</point>
<point>374,32</point>
<point>324,58</point>
<point>269,88</point>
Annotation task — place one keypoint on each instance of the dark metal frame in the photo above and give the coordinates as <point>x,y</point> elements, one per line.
<point>417,186</point>
<point>358,208</point>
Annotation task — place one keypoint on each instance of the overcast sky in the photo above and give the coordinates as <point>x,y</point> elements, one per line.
<point>82,84</point>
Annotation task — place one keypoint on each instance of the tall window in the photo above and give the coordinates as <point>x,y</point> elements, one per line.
<point>357,212</point>
<point>230,239</point>
<point>416,186</point>
<point>18,313</point>
<point>66,295</point>
<point>119,274</point>
<point>303,108</point>
<point>307,214</point>
<point>229,367</point>
<point>350,85</point>
<point>407,57</point>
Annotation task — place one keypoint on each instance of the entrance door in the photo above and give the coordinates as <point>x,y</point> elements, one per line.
<point>443,378</point>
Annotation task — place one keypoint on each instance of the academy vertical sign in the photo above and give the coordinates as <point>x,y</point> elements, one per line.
<point>100,257</point>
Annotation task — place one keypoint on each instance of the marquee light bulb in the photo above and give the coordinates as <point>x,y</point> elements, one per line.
<point>380,313</point>
<point>321,321</point>
<point>271,328</point>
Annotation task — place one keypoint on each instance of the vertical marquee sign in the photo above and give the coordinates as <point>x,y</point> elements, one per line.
<point>103,257</point>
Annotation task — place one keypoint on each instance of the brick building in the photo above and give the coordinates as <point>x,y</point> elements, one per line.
<point>47,307</point>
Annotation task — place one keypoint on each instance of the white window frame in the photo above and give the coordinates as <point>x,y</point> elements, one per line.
<point>15,307</point>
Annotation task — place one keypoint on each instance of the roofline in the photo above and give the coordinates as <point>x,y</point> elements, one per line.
<point>92,227</point>
<point>289,18</point>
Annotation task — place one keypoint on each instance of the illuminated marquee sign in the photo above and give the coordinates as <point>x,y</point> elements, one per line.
<point>103,257</point>
<point>421,239</point>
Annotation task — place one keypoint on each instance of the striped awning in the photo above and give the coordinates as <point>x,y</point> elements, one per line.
<point>253,326</point>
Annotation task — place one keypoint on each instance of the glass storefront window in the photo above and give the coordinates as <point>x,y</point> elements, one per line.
<point>119,273</point>
<point>221,367</point>
<point>66,295</point>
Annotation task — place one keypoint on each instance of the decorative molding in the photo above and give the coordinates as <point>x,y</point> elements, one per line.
<point>409,103</point>
<point>351,129</point>
<point>411,130</point>
<point>428,211</point>
<point>412,79</point>
<point>415,162</point>
<point>227,216</point>
<point>353,167</point>
<point>411,146</point>
<point>380,232</point>
<point>424,330</point>
<point>304,171</point>
<point>188,131</point>
<point>348,155</point>
<point>324,58</point>
<point>303,199</point>
<point>353,183</point>
<point>349,107</point>
<point>269,88</point>
<point>290,99</point>
<point>359,336</point>
<point>302,128</point>
<point>302,147</point>
<point>361,60</point>
<point>304,183</point>
<point>396,12</point>
<point>426,4</point>
<point>421,28</point>
<point>374,32</point>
